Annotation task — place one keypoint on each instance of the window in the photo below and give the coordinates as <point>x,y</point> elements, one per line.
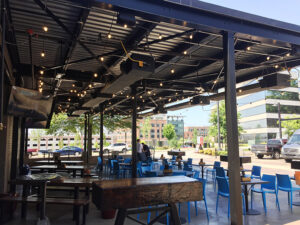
<point>71,139</point>
<point>157,125</point>
<point>65,139</point>
<point>34,145</point>
<point>49,144</point>
<point>152,125</point>
<point>158,136</point>
<point>152,136</point>
<point>50,139</point>
<point>42,145</point>
<point>253,111</point>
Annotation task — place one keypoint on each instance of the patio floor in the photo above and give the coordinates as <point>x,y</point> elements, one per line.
<point>61,215</point>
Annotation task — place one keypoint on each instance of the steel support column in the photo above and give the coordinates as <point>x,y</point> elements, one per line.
<point>133,135</point>
<point>219,133</point>
<point>101,136</point>
<point>279,120</point>
<point>89,141</point>
<point>3,25</point>
<point>232,130</point>
<point>85,138</point>
<point>23,144</point>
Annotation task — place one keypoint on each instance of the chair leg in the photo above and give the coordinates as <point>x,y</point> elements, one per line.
<point>251,199</point>
<point>84,209</point>
<point>289,197</point>
<point>217,204</point>
<point>206,209</point>
<point>277,201</point>
<point>264,202</point>
<point>179,208</point>
<point>244,205</point>
<point>228,212</point>
<point>291,202</point>
<point>149,216</point>
<point>189,212</point>
<point>196,209</point>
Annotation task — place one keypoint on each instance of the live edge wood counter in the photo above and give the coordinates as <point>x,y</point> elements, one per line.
<point>124,194</point>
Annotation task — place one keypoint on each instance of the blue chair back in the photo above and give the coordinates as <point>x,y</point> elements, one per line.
<point>146,168</point>
<point>139,172</point>
<point>179,173</point>
<point>256,171</point>
<point>283,181</point>
<point>161,167</point>
<point>223,186</point>
<point>187,167</point>
<point>217,164</point>
<point>151,174</point>
<point>173,157</point>
<point>271,184</point>
<point>190,161</point>
<point>127,160</point>
<point>99,161</point>
<point>203,181</point>
<point>220,172</point>
<point>196,174</point>
<point>119,157</point>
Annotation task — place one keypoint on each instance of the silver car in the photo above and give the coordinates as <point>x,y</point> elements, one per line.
<point>291,150</point>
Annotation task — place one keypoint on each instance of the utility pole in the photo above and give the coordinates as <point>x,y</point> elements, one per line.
<point>279,120</point>
<point>218,111</point>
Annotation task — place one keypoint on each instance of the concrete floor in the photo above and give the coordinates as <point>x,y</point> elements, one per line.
<point>62,215</point>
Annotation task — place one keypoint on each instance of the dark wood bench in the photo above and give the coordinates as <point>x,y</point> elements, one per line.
<point>57,201</point>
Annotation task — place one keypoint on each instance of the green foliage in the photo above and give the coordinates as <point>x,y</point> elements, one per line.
<point>290,125</point>
<point>222,152</point>
<point>77,141</point>
<point>36,135</point>
<point>195,135</point>
<point>169,131</point>
<point>272,94</point>
<point>60,143</point>
<point>146,127</point>
<point>201,151</point>
<point>96,145</point>
<point>213,129</point>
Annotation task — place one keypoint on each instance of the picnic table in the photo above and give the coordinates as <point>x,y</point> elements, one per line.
<point>69,162</point>
<point>67,168</point>
<point>128,195</point>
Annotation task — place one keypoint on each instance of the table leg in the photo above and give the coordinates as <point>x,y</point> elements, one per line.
<point>43,201</point>
<point>249,211</point>
<point>202,171</point>
<point>120,219</point>
<point>87,194</point>
<point>75,208</point>
<point>174,214</point>
<point>24,204</point>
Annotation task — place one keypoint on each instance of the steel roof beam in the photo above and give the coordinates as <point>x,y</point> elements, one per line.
<point>208,16</point>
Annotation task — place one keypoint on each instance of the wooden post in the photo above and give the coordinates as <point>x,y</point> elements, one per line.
<point>101,136</point>
<point>232,130</point>
<point>133,136</point>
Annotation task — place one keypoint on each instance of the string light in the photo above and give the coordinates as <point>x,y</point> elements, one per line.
<point>43,54</point>
<point>95,75</point>
<point>73,85</point>
<point>69,99</point>
<point>268,58</point>
<point>143,100</point>
<point>161,84</point>
<point>248,48</point>
<point>40,90</point>
<point>288,54</point>
<point>170,99</point>
<point>132,97</point>
<point>160,98</point>
<point>276,66</point>
<point>191,36</point>
<point>45,28</point>
<point>90,85</point>
<point>127,96</point>
<point>109,36</point>
<point>172,71</point>
<point>84,92</point>
<point>75,91</point>
<point>240,90</point>
<point>149,92</point>
<point>41,72</point>
<point>101,59</point>
<point>141,96</point>
<point>125,25</point>
<point>71,91</point>
<point>185,52</point>
<point>159,36</point>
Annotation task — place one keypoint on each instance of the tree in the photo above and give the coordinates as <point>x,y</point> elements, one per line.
<point>195,135</point>
<point>36,135</point>
<point>146,127</point>
<point>169,131</point>
<point>290,125</point>
<point>213,129</point>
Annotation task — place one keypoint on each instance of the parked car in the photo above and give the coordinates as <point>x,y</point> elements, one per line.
<point>32,151</point>
<point>292,148</point>
<point>118,147</point>
<point>70,150</point>
<point>272,148</point>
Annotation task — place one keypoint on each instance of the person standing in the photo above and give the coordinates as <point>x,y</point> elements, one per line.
<point>139,149</point>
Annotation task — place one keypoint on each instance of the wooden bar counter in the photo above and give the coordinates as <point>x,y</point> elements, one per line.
<point>124,194</point>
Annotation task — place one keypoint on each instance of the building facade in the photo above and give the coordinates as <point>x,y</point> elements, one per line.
<point>188,132</point>
<point>178,124</point>
<point>259,113</point>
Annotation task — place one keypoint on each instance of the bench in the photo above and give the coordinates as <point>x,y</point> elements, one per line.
<point>57,201</point>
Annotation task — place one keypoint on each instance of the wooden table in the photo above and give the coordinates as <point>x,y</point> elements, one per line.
<point>70,162</point>
<point>162,173</point>
<point>251,183</point>
<point>243,159</point>
<point>68,168</point>
<point>176,153</point>
<point>126,194</point>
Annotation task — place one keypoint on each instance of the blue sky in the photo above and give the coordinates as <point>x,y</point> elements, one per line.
<point>283,10</point>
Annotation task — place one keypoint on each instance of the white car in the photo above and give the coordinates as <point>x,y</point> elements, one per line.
<point>117,147</point>
<point>291,150</point>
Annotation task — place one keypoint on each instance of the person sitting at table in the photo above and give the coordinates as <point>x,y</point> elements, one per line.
<point>178,158</point>
<point>146,150</point>
<point>162,156</point>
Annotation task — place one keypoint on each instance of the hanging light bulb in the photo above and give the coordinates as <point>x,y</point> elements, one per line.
<point>161,84</point>
<point>149,92</point>
<point>73,85</point>
<point>170,99</point>
<point>101,59</point>
<point>248,48</point>
<point>240,90</point>
<point>159,36</point>
<point>71,91</point>
<point>172,71</point>
<point>276,66</point>
<point>75,91</point>
<point>141,96</point>
<point>185,52</point>
<point>40,90</point>
<point>125,25</point>
<point>95,75</point>
<point>84,92</point>
<point>90,85</point>
<point>191,36</point>
<point>41,72</point>
<point>268,58</point>
<point>43,54</point>
<point>69,99</point>
<point>45,28</point>
<point>109,36</point>
<point>288,54</point>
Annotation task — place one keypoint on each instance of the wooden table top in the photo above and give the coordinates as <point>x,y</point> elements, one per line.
<point>205,164</point>
<point>254,181</point>
<point>63,162</point>
<point>68,167</point>
<point>138,192</point>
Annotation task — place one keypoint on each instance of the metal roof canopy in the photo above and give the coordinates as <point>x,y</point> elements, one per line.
<point>78,33</point>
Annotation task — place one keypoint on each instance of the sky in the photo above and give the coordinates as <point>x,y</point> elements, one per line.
<point>283,10</point>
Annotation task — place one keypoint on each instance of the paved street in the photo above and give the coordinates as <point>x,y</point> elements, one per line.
<point>269,165</point>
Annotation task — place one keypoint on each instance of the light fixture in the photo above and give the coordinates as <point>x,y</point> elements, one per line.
<point>149,92</point>
<point>41,72</point>
<point>161,84</point>
<point>42,83</point>
<point>288,54</point>
<point>125,25</point>
<point>109,36</point>
<point>127,96</point>
<point>138,108</point>
<point>176,93</point>
<point>141,96</point>
<point>185,52</point>
<point>45,28</point>
<point>95,75</point>
<point>248,48</point>
<point>73,85</point>
<point>143,100</point>
<point>170,99</point>
<point>172,71</point>
<point>78,94</point>
<point>240,90</point>
<point>132,97</point>
<point>101,59</point>
<point>109,103</point>
<point>40,90</point>
<point>75,91</point>
<point>160,98</point>
<point>276,66</point>
<point>191,36</point>
<point>159,36</point>
<point>71,91</point>
<point>90,85</point>
<point>215,81</point>
<point>69,99</point>
<point>43,54</point>
<point>268,58</point>
<point>84,92</point>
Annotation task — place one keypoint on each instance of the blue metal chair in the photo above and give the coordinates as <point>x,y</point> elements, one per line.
<point>99,163</point>
<point>223,190</point>
<point>220,172</point>
<point>187,166</point>
<point>204,197</point>
<point>196,174</point>
<point>284,184</point>
<point>266,188</point>
<point>213,172</point>
<point>255,173</point>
